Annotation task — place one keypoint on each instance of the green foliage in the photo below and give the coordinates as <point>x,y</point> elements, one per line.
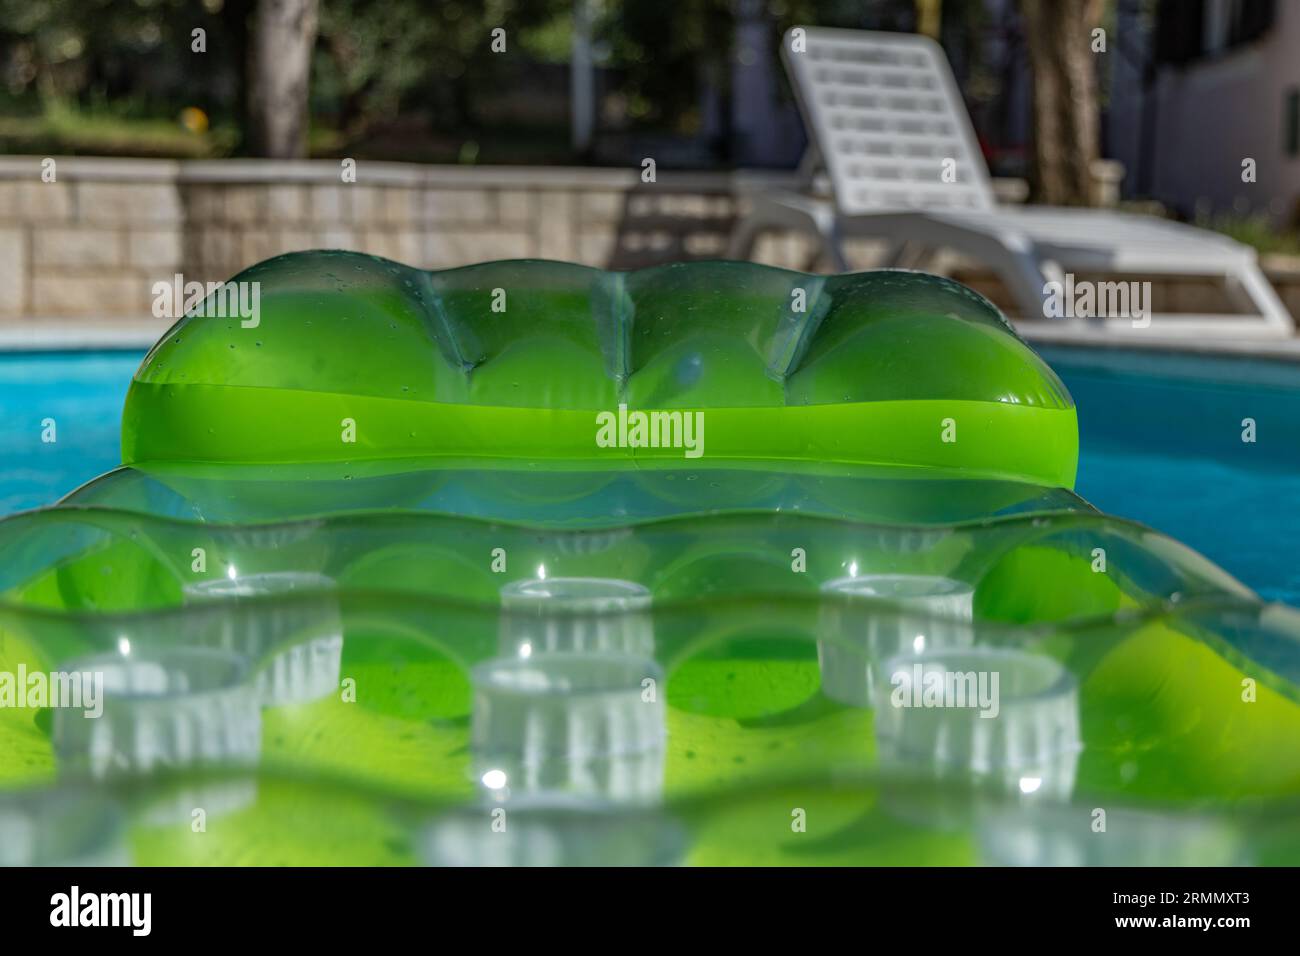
<point>109,50</point>
<point>112,76</point>
<point>378,57</point>
<point>1255,230</point>
<point>397,79</point>
<point>67,130</point>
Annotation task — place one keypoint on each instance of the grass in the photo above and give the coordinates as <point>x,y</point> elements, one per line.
<point>65,129</point>
<point>61,129</point>
<point>1254,230</point>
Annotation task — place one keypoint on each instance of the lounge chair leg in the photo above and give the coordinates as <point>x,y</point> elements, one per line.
<point>914,255</point>
<point>743,236</point>
<point>893,255</point>
<point>1264,297</point>
<point>812,260</point>
<point>1023,277</point>
<point>833,243</point>
<point>1237,294</point>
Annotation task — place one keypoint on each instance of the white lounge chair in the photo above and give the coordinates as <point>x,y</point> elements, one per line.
<point>886,118</point>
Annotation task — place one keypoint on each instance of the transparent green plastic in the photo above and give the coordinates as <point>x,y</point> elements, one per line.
<point>361,643</point>
<point>516,360</point>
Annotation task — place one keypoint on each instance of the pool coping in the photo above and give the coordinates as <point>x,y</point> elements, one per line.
<point>57,335</point>
<point>73,336</point>
<point>1275,348</point>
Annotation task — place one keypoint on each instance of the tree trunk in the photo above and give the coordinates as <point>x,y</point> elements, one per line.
<point>1059,37</point>
<point>237,16</point>
<point>283,35</point>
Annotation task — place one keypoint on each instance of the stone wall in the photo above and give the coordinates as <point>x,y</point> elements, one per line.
<point>437,217</point>
<point>91,244</point>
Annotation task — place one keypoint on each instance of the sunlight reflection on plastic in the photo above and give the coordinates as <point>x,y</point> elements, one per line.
<point>297,649</point>
<point>162,709</point>
<point>60,828</point>
<point>550,833</point>
<point>915,611</point>
<point>562,615</point>
<point>585,724</point>
<point>1000,716</point>
<point>1081,835</point>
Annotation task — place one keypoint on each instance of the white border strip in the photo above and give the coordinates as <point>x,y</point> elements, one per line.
<point>55,336</point>
<point>1261,347</point>
<point>42,335</point>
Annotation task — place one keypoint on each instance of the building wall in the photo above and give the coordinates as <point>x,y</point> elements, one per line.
<point>1213,113</point>
<point>1124,113</point>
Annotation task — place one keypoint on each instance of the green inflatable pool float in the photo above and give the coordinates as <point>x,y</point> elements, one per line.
<point>529,563</point>
<point>356,358</point>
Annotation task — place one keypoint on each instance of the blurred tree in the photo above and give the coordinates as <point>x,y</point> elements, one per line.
<point>379,57</point>
<point>929,14</point>
<point>1066,130</point>
<point>405,79</point>
<point>135,53</point>
<point>283,35</point>
<point>666,59</point>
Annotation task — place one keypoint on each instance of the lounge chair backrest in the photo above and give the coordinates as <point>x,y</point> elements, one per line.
<point>886,113</point>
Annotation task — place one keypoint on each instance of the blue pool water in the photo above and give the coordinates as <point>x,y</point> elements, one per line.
<point>1161,443</point>
<point>83,392</point>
